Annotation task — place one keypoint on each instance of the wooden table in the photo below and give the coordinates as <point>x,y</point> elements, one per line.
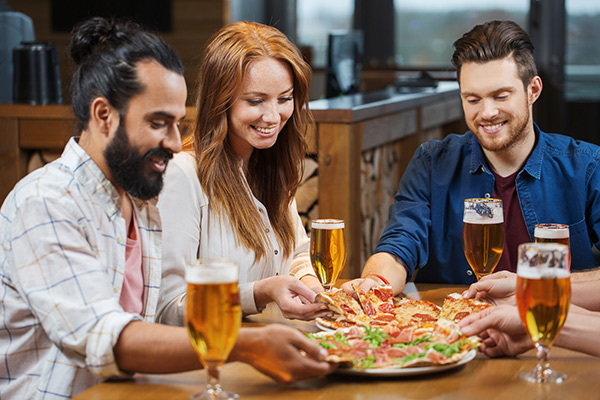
<point>481,379</point>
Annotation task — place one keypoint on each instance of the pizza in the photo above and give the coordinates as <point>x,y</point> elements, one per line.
<point>456,307</point>
<point>379,308</point>
<point>371,348</point>
<point>346,310</point>
<point>381,331</point>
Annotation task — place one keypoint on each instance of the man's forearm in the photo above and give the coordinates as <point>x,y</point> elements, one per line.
<point>585,294</point>
<point>388,266</point>
<point>155,349</point>
<point>581,332</point>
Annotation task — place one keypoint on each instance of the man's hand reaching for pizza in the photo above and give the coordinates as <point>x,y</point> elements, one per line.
<point>294,298</point>
<point>497,288</point>
<point>360,283</point>
<point>282,353</point>
<point>501,330</point>
<point>380,268</point>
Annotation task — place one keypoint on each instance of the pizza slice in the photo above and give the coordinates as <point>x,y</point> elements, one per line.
<point>456,307</point>
<point>409,310</point>
<point>378,304</point>
<point>347,311</point>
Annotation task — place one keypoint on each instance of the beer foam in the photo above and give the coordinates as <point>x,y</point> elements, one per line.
<point>551,233</point>
<point>219,272</point>
<point>474,218</point>
<point>327,224</point>
<point>542,272</point>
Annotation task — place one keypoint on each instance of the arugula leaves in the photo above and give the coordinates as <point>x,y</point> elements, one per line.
<point>417,341</point>
<point>374,336</point>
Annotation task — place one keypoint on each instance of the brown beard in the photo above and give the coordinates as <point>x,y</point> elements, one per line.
<point>517,135</point>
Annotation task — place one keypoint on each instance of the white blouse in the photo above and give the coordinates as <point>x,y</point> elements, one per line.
<point>192,229</point>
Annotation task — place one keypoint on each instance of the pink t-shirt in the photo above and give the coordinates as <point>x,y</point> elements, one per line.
<point>133,282</point>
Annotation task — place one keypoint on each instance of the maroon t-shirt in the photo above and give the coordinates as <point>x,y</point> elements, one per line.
<point>515,230</point>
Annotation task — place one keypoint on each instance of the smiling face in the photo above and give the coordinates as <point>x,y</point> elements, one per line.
<point>497,107</point>
<point>262,106</point>
<point>148,134</point>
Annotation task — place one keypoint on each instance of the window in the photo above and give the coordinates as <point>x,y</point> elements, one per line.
<point>582,64</point>
<point>426,29</point>
<point>315,19</point>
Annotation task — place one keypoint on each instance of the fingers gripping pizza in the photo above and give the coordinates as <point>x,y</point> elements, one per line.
<point>380,331</point>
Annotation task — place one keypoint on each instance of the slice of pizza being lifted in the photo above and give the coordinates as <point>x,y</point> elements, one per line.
<point>346,310</point>
<point>456,307</point>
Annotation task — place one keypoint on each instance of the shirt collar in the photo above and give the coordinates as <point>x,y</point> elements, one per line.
<point>477,159</point>
<point>533,166</point>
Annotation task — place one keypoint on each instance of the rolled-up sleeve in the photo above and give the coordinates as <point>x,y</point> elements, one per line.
<point>67,285</point>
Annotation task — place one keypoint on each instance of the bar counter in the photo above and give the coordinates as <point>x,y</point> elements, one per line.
<point>480,379</point>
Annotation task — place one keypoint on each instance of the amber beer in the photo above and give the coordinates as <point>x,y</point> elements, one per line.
<point>327,249</point>
<point>213,311</point>
<point>552,233</point>
<point>544,303</point>
<point>543,295</point>
<point>483,234</point>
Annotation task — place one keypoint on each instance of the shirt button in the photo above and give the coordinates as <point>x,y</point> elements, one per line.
<point>120,240</point>
<point>116,289</point>
<point>469,272</point>
<point>267,230</point>
<point>276,252</point>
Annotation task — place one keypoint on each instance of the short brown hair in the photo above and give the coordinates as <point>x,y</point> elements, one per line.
<point>496,40</point>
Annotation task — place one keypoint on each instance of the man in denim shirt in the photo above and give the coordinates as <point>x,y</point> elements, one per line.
<point>541,177</point>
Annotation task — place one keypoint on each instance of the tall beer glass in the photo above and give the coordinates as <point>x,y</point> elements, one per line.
<point>543,297</point>
<point>213,317</point>
<point>483,234</point>
<point>327,249</point>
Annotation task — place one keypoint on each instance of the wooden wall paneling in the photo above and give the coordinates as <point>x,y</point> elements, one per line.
<point>194,21</point>
<point>339,154</point>
<point>389,128</point>
<point>44,134</point>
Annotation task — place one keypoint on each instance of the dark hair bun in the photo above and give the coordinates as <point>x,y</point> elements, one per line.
<point>96,33</point>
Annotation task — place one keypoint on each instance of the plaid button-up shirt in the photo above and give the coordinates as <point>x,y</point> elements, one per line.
<point>62,262</point>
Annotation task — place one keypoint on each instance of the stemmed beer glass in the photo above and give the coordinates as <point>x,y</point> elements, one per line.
<point>543,298</point>
<point>213,317</point>
<point>327,250</point>
<point>483,234</point>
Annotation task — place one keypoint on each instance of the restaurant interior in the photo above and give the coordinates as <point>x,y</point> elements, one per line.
<point>382,85</point>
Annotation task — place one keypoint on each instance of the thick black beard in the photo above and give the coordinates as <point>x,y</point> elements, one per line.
<point>129,167</point>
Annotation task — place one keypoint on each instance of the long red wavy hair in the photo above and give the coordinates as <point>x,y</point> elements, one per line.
<point>273,174</point>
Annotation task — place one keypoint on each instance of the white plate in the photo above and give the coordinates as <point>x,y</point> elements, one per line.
<point>324,328</point>
<point>383,372</point>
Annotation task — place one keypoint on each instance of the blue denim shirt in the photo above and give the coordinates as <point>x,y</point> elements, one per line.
<point>559,183</point>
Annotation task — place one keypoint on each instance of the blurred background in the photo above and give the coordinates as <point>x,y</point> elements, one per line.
<point>399,38</point>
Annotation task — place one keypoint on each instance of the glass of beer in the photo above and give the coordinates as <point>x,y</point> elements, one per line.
<point>551,233</point>
<point>483,234</point>
<point>543,298</point>
<point>213,317</point>
<point>327,250</point>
